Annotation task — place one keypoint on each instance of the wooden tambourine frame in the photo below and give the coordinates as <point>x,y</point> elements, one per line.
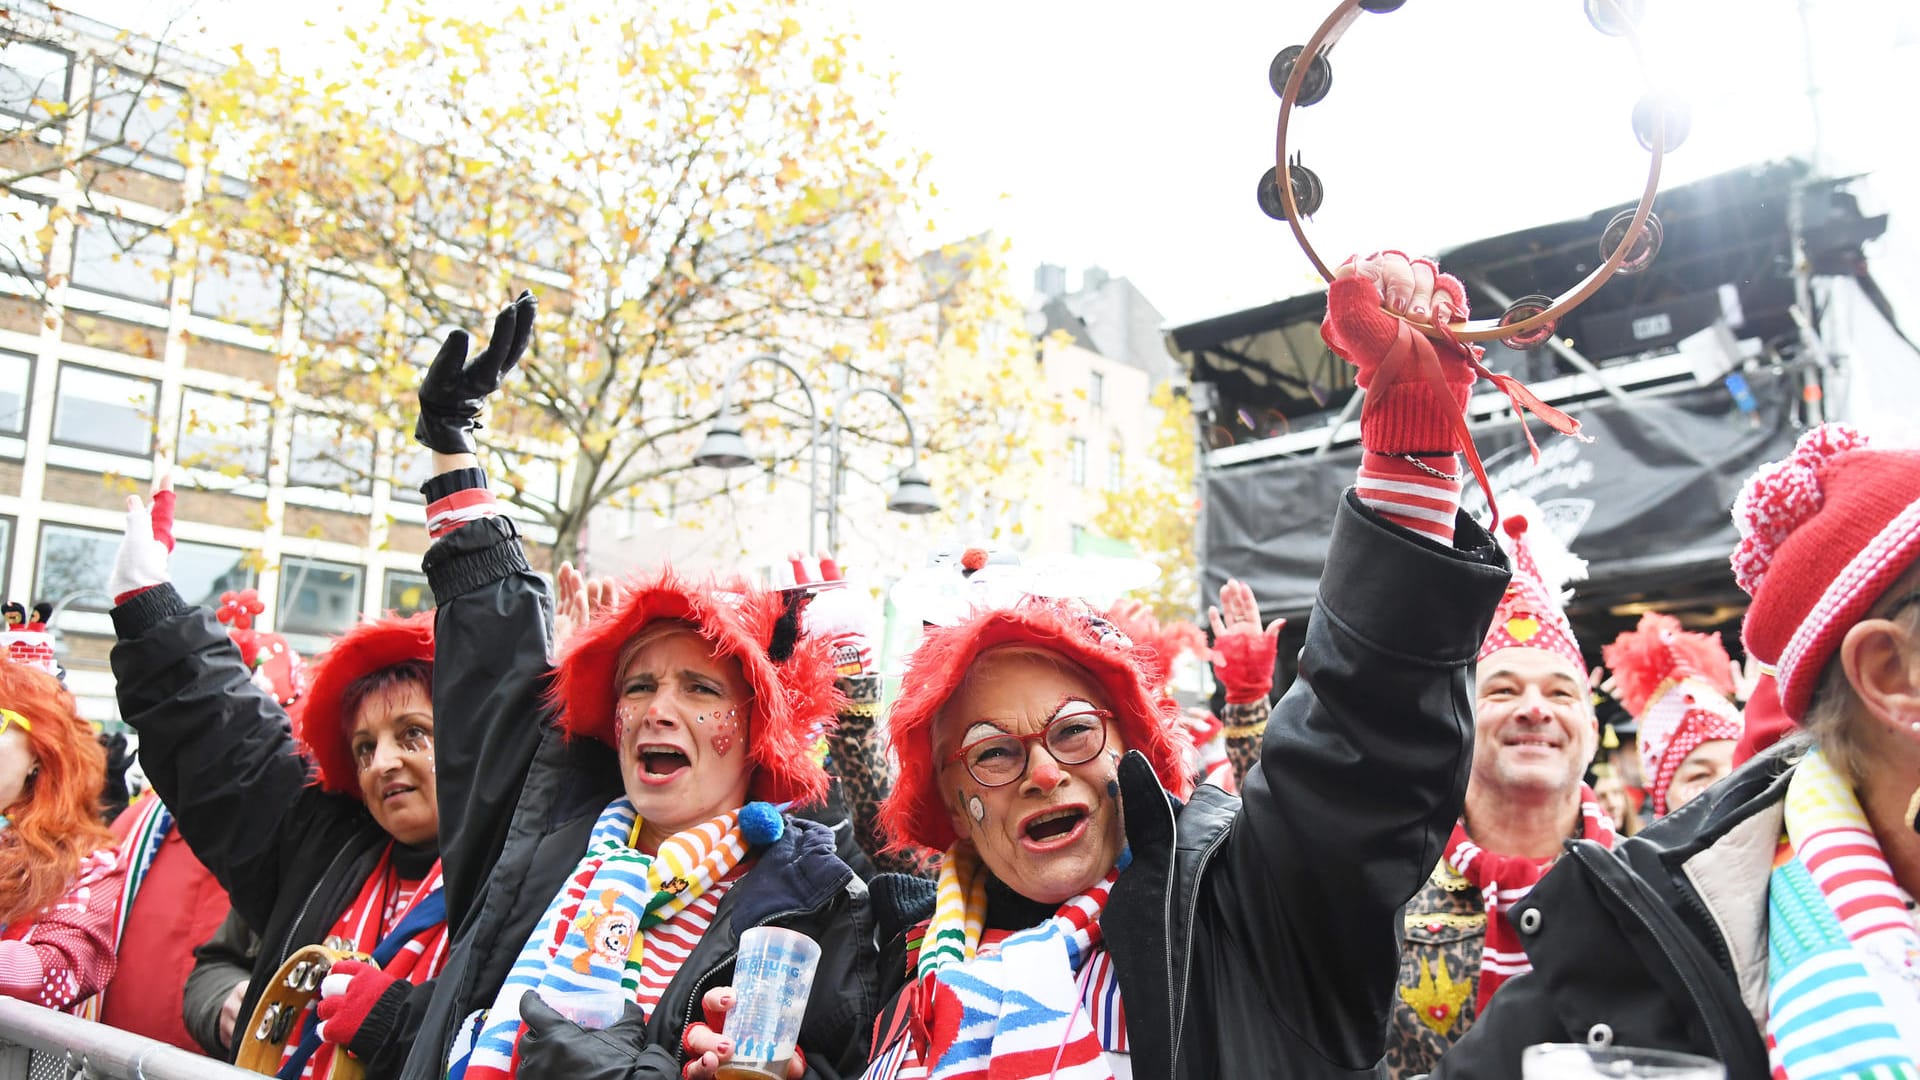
<point>1322,42</point>
<point>264,1040</point>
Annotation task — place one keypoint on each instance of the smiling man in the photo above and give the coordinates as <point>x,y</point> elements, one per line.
<point>1534,733</point>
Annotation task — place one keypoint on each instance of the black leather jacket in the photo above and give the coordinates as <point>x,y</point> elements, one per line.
<point>517,802</point>
<point>1260,935</point>
<point>1660,943</point>
<point>220,753</point>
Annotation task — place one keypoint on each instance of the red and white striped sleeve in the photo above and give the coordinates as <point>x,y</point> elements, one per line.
<point>66,954</point>
<point>456,498</point>
<point>1424,499</point>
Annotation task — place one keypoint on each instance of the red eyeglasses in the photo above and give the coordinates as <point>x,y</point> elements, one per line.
<point>1073,738</point>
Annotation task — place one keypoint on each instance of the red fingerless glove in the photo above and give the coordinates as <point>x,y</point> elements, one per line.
<point>1408,410</point>
<point>345,1010</point>
<point>1243,662</point>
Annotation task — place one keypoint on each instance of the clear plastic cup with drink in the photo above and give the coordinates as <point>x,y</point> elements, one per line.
<point>1572,1061</point>
<point>772,976</point>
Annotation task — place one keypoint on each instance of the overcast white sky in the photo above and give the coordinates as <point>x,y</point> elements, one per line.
<point>1129,134</point>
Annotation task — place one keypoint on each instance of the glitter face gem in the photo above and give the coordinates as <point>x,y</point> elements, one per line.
<point>726,728</point>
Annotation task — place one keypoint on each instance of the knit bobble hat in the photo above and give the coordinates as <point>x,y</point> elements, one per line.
<point>1677,685</point>
<point>1823,535</point>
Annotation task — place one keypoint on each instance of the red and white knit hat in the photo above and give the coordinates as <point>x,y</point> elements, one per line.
<point>1677,685</point>
<point>1531,615</point>
<point>1823,535</point>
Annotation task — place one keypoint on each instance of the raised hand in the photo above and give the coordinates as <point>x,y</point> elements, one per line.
<point>141,562</point>
<point>1243,653</point>
<point>455,390</point>
<point>847,618</point>
<point>577,600</point>
<point>1417,387</point>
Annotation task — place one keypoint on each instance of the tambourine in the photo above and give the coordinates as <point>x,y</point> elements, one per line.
<point>294,987</point>
<point>1628,244</point>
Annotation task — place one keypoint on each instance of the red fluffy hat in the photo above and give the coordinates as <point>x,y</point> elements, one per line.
<point>1823,535</point>
<point>1677,685</point>
<point>790,674</point>
<point>1530,614</point>
<point>1166,641</point>
<point>914,813</point>
<point>361,651</point>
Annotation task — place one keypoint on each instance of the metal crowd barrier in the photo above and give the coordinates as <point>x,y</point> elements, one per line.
<point>40,1044</point>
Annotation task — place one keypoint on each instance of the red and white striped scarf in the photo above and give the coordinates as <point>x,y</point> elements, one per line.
<point>1505,880</point>
<point>383,901</point>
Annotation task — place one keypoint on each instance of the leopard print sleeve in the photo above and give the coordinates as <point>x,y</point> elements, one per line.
<point>865,776</point>
<point>1246,729</point>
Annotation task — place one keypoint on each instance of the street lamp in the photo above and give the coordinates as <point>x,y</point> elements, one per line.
<point>725,448</point>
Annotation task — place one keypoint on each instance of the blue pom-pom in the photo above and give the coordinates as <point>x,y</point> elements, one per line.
<point>1126,858</point>
<point>761,824</point>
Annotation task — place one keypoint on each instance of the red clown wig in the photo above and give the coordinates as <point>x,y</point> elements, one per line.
<point>789,674</point>
<point>319,718</point>
<point>914,814</point>
<point>56,823</point>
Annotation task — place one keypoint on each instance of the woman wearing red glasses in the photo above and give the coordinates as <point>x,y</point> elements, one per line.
<point>59,879</point>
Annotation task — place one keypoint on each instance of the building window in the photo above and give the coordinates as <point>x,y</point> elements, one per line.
<point>122,258</point>
<point>32,79</point>
<point>330,455</point>
<point>16,389</point>
<point>412,467</point>
<point>1116,467</point>
<point>225,435</point>
<point>316,599</point>
<point>98,410</point>
<point>24,233</point>
<point>1096,389</point>
<point>342,312</point>
<point>75,562</point>
<point>137,121</point>
<point>201,572</point>
<point>6,549</point>
<point>407,593</point>
<point>1077,461</point>
<point>239,289</point>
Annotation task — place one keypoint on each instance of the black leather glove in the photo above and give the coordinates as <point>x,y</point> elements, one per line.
<point>454,391</point>
<point>555,1048</point>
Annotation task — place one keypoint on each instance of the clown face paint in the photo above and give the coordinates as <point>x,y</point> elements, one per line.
<point>679,773</point>
<point>1055,831</point>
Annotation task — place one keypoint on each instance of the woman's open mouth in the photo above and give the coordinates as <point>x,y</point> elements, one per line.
<point>1054,829</point>
<point>661,764</point>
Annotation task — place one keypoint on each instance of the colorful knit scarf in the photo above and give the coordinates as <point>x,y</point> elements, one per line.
<point>1505,880</point>
<point>404,930</point>
<point>1843,960</point>
<point>590,941</point>
<point>151,824</point>
<point>1009,1013</point>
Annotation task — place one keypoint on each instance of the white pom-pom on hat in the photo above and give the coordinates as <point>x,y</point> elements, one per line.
<point>1783,496</point>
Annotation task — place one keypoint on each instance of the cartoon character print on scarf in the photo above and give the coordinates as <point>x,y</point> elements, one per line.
<point>609,932</point>
<point>1446,928</point>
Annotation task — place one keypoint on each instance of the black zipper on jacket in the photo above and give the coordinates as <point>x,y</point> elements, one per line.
<point>1193,913</point>
<point>699,984</point>
<point>286,943</point>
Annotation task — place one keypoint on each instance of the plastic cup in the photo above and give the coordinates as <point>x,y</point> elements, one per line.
<point>595,1010</point>
<point>772,976</point>
<point>1572,1061</point>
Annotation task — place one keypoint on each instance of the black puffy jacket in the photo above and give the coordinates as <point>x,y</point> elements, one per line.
<point>518,800</point>
<point>1260,935</point>
<point>1660,943</point>
<point>219,751</point>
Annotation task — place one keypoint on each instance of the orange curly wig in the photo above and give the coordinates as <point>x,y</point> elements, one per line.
<point>793,699</point>
<point>56,823</point>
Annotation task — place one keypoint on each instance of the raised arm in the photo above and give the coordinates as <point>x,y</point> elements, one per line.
<point>1243,656</point>
<point>494,622</point>
<point>1364,765</point>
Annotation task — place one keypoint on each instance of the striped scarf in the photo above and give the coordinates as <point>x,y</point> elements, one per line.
<point>1843,960</point>
<point>1009,1013</point>
<point>151,824</point>
<point>382,906</point>
<point>1505,880</point>
<point>595,944</point>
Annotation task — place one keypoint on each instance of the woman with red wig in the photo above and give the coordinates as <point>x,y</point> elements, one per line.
<point>325,830</point>
<point>59,877</point>
<point>614,815</point>
<point>1096,916</point>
